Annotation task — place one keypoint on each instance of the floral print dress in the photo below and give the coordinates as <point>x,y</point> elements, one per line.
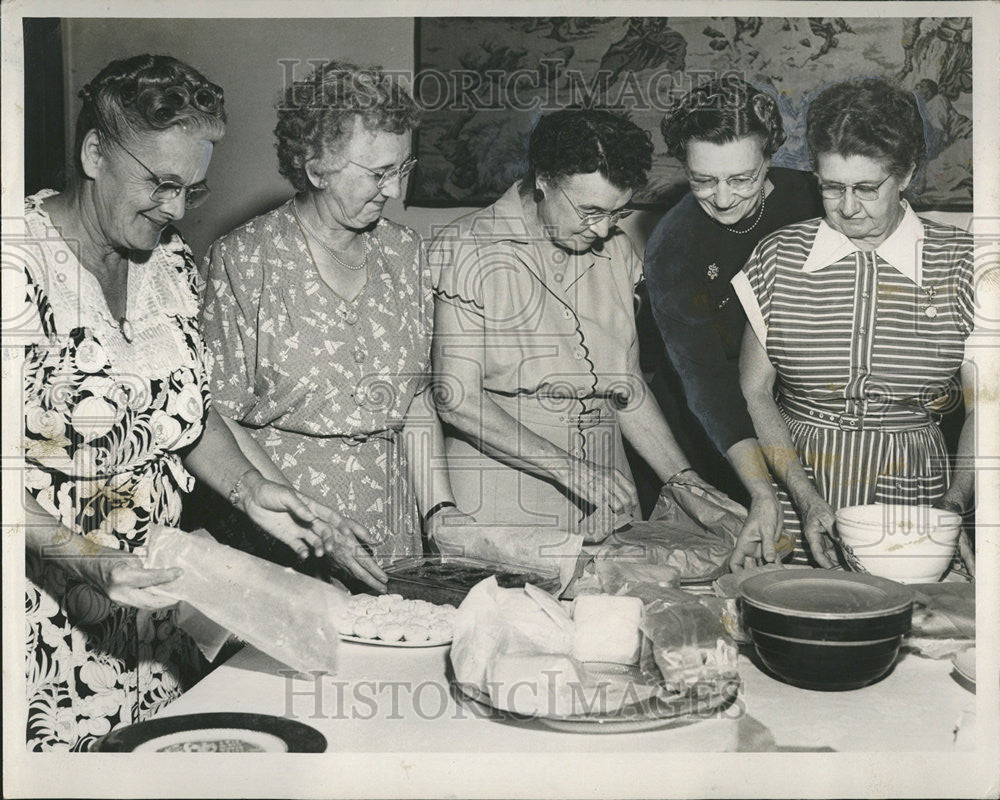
<point>105,419</point>
<point>324,384</point>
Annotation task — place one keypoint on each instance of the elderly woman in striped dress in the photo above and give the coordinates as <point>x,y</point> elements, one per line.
<point>860,322</point>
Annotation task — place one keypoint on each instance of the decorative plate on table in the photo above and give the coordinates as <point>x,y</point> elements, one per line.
<point>400,643</point>
<point>652,708</point>
<point>965,664</point>
<point>217,732</point>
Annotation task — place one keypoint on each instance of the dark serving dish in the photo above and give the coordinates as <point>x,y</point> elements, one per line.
<point>448,579</point>
<point>826,630</point>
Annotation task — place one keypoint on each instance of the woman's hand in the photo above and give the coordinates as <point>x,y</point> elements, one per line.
<point>123,578</point>
<point>599,525</point>
<point>759,534</point>
<point>283,512</point>
<point>818,520</point>
<point>349,544</point>
<point>602,487</point>
<point>966,552</point>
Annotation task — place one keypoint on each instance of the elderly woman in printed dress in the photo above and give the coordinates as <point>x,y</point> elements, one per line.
<point>860,321</point>
<point>117,406</point>
<point>318,314</point>
<point>535,341</point>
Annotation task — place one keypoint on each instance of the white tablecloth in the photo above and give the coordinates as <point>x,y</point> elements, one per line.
<point>396,699</point>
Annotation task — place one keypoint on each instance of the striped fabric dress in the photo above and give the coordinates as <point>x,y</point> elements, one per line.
<point>866,346</point>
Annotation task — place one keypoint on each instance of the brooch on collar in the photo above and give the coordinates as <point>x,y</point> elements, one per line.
<point>930,310</point>
<point>713,271</point>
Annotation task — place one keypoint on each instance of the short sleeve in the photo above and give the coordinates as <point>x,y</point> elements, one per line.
<point>634,260</point>
<point>426,284</point>
<point>965,295</point>
<point>978,332</point>
<point>754,285</point>
<point>456,269</point>
<point>36,323</point>
<point>229,327</point>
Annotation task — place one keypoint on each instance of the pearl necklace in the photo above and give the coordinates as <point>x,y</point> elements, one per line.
<point>304,228</point>
<point>760,213</point>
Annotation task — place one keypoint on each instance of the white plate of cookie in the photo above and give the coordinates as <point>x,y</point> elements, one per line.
<point>390,620</point>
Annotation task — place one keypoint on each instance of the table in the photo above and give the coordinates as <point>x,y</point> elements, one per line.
<point>397,699</point>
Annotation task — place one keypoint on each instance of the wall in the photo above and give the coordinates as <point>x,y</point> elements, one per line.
<point>243,56</point>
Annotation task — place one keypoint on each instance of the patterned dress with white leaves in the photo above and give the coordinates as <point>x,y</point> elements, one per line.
<point>324,384</point>
<point>105,419</point>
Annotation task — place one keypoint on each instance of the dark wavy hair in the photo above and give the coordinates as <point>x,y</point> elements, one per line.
<point>316,114</point>
<point>146,93</point>
<point>871,118</point>
<point>579,142</point>
<point>722,111</point>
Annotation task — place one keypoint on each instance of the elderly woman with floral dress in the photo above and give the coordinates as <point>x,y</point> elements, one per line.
<point>318,314</point>
<point>117,408</point>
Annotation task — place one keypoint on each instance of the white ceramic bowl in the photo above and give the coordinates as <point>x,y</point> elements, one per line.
<point>906,543</point>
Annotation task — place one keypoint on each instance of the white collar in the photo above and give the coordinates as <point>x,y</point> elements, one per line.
<point>901,249</point>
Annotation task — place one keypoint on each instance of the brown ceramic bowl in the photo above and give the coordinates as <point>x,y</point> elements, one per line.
<point>825,630</point>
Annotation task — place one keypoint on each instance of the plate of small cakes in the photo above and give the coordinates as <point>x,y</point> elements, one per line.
<point>390,620</point>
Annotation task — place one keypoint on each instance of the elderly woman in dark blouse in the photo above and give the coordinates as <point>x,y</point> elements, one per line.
<point>724,133</point>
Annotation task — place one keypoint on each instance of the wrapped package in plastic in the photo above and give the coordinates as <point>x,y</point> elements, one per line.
<point>493,621</point>
<point>283,613</point>
<point>544,549</point>
<point>514,649</point>
<point>687,643</point>
<point>727,589</point>
<point>944,610</point>
<point>944,618</point>
<point>691,529</point>
<point>620,576</point>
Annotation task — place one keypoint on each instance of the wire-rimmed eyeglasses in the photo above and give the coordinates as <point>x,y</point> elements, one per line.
<point>862,191</point>
<point>166,189</point>
<point>589,218</point>
<point>383,176</point>
<point>740,184</point>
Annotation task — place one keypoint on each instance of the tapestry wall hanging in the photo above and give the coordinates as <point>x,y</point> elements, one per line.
<point>484,81</point>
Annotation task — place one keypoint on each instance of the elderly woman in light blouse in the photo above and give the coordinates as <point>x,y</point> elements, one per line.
<point>318,314</point>
<point>535,345</point>
<point>859,324</point>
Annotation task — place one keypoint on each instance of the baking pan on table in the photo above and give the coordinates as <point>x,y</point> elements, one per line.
<point>448,579</point>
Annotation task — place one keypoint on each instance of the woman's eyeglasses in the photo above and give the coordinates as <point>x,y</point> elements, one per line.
<point>740,184</point>
<point>862,191</point>
<point>383,176</point>
<point>166,190</point>
<point>589,218</point>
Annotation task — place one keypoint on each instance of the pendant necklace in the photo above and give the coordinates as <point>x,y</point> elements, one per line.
<point>306,228</point>
<point>760,213</point>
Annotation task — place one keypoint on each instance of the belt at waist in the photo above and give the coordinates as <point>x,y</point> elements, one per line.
<point>563,411</point>
<point>855,422</point>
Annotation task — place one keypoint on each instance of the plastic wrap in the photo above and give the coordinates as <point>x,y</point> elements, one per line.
<point>514,649</point>
<point>492,621</point>
<point>290,616</point>
<point>541,548</point>
<point>691,529</point>
<point>687,642</point>
<point>645,581</point>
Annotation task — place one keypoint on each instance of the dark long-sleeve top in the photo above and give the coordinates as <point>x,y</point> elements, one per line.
<point>689,262</point>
